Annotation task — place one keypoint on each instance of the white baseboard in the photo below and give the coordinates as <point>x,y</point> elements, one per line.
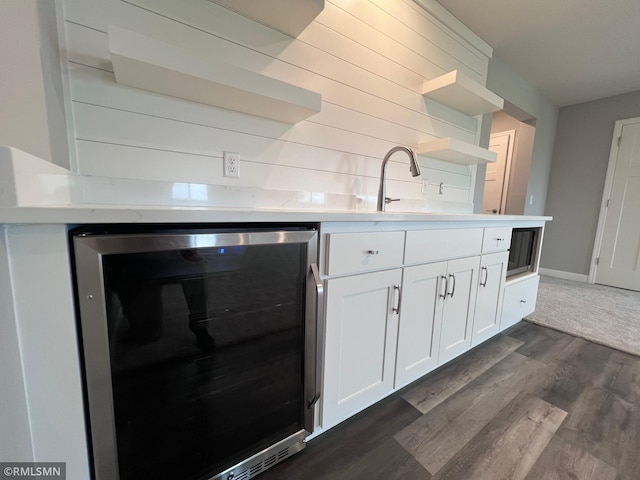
<point>576,277</point>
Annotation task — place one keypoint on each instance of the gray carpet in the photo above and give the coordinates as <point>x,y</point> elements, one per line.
<point>606,315</point>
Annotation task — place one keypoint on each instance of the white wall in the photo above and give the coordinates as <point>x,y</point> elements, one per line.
<point>576,186</point>
<point>367,59</point>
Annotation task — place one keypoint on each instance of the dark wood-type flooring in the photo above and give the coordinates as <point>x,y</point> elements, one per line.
<point>532,403</point>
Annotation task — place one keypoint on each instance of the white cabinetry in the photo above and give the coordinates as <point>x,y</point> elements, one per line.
<point>458,312</point>
<point>438,299</point>
<point>364,251</point>
<point>493,270</point>
<point>361,331</point>
<point>496,239</point>
<point>420,321</point>
<point>436,314</point>
<point>400,303</point>
<point>361,321</point>
<point>519,300</point>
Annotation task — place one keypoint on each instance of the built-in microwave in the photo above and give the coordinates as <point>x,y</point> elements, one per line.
<point>522,253</point>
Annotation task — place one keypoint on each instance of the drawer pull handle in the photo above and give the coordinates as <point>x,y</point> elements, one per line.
<point>373,252</point>
<point>500,239</point>
<point>523,301</point>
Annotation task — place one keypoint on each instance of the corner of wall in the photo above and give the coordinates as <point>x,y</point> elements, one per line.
<point>515,89</point>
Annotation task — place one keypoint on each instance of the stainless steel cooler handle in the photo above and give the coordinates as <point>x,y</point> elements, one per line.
<point>319,332</point>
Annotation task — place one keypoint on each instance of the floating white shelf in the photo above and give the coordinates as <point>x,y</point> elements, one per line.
<point>143,62</point>
<point>460,92</point>
<point>290,17</point>
<point>456,151</point>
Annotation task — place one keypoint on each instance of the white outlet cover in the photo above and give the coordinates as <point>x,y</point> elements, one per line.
<point>231,163</point>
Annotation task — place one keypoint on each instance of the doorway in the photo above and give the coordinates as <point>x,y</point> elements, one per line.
<point>617,252</point>
<point>513,194</point>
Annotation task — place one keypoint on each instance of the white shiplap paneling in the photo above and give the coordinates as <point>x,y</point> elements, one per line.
<point>367,59</point>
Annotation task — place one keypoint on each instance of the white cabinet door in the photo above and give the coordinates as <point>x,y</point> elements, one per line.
<point>360,349</point>
<point>457,318</point>
<point>420,320</point>
<point>493,271</point>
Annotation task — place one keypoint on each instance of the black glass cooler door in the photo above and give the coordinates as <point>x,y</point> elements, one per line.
<point>206,354</point>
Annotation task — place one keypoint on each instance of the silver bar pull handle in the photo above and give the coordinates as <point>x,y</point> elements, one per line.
<point>397,294</point>
<point>319,333</point>
<point>445,282</point>
<point>453,284</point>
<point>486,277</point>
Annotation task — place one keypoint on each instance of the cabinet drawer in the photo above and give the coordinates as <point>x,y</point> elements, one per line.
<point>519,301</point>
<point>434,245</point>
<point>360,252</point>
<point>496,239</point>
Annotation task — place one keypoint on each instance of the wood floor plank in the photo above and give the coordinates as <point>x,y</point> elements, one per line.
<point>387,461</point>
<point>437,387</point>
<point>474,423</point>
<point>622,379</point>
<point>567,377</point>
<point>508,447</point>
<point>335,451</point>
<point>562,460</point>
<point>438,435</point>
<point>604,420</point>
<point>542,344</point>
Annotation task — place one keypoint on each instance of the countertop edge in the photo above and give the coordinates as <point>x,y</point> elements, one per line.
<point>95,214</point>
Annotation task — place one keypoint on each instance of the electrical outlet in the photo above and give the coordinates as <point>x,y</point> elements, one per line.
<point>231,161</point>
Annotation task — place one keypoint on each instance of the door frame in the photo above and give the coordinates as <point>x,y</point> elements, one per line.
<point>507,167</point>
<point>606,194</point>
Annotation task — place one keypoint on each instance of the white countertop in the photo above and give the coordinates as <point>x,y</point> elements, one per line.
<point>76,214</point>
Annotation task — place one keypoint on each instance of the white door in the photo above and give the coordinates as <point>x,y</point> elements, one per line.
<point>619,263</point>
<point>361,334</point>
<point>459,307</point>
<point>493,272</point>
<point>420,320</point>
<point>496,181</point>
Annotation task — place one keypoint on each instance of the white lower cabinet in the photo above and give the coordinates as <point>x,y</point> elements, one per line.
<point>420,321</point>
<point>519,300</point>
<point>387,328</point>
<point>360,348</point>
<point>436,315</point>
<point>493,271</point>
<point>459,307</point>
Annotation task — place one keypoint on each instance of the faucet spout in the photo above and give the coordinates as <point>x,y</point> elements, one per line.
<point>414,168</point>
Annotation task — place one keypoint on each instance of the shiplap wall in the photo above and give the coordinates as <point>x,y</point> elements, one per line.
<point>368,59</point>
